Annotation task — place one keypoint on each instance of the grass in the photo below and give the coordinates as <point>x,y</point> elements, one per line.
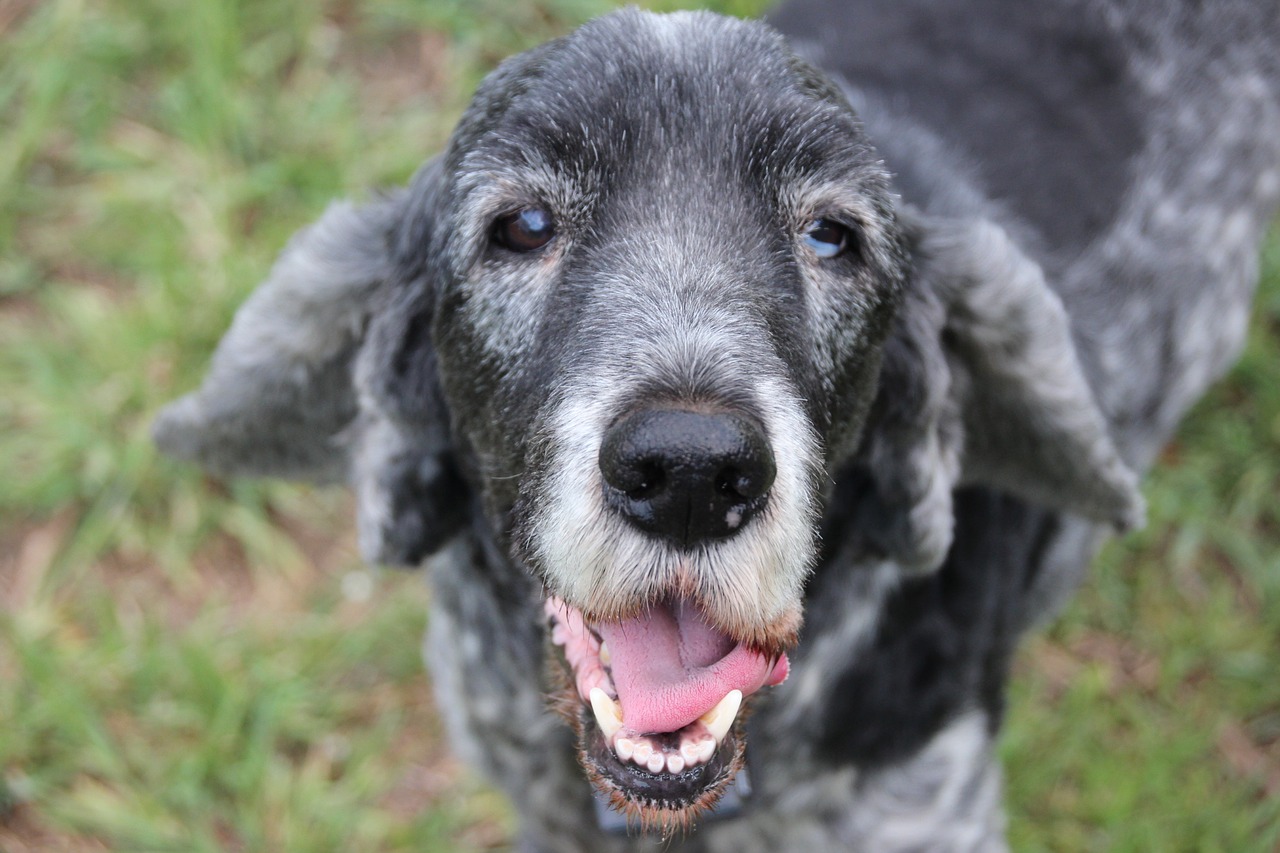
<point>191,665</point>
<point>1149,717</point>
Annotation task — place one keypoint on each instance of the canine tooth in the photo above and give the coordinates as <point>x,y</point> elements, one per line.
<point>721,717</point>
<point>605,657</point>
<point>674,764</point>
<point>656,763</point>
<point>625,748</point>
<point>608,714</point>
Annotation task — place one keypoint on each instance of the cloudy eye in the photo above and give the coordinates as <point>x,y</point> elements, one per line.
<point>525,230</point>
<point>827,238</point>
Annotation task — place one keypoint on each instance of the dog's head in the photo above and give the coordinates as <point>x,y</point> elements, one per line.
<point>653,297</point>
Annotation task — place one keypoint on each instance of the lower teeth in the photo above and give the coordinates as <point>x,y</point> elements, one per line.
<point>697,742</point>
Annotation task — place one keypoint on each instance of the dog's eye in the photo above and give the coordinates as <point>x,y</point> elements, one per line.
<point>827,238</point>
<point>525,230</point>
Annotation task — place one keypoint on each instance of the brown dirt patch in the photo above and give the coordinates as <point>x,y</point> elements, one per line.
<point>13,13</point>
<point>22,832</point>
<point>1060,664</point>
<point>1251,759</point>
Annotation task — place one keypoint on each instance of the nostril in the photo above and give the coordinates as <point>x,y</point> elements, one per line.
<point>732,484</point>
<point>649,480</point>
<point>630,466</point>
<point>746,485</point>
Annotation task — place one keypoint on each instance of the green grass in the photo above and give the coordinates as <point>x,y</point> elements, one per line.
<point>188,664</point>
<point>1149,718</point>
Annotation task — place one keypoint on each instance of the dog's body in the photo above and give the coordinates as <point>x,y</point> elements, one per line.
<point>948,374</point>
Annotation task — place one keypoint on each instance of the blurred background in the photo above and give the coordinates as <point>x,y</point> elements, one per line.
<point>188,664</point>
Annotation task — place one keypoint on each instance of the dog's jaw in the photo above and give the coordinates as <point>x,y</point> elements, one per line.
<point>638,795</point>
<point>659,764</point>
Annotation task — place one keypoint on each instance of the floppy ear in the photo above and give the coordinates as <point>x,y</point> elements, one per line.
<point>410,496</point>
<point>981,384</point>
<point>278,393</point>
<point>284,395</point>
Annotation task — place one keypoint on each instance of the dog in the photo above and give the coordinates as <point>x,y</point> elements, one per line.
<point>752,412</point>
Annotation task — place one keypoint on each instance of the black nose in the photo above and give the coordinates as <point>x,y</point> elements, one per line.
<point>687,476</point>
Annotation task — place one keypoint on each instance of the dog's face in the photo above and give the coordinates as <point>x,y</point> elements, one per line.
<point>674,259</point>
<point>651,300</point>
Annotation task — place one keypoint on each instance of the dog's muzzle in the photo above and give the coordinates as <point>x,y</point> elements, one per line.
<point>655,694</point>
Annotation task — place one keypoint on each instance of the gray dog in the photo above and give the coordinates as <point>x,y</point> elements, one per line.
<point>752,446</point>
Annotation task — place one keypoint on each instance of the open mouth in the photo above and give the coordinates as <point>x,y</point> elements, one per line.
<point>657,702</point>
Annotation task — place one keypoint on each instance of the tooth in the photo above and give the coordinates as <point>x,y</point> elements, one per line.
<point>705,750</point>
<point>721,717</point>
<point>625,748</point>
<point>656,763</point>
<point>608,714</point>
<point>643,750</point>
<point>691,750</point>
<point>605,657</point>
<point>674,764</point>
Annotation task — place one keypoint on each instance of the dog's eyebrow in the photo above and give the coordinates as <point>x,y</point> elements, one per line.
<point>812,197</point>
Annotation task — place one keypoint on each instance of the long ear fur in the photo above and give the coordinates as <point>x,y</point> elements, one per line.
<point>981,384</point>
<point>278,393</point>
<point>410,495</point>
<point>284,396</point>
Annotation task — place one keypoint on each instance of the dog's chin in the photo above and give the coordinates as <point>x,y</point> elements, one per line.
<point>662,751</point>
<point>658,802</point>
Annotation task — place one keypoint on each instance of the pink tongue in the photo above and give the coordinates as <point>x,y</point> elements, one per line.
<point>670,667</point>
